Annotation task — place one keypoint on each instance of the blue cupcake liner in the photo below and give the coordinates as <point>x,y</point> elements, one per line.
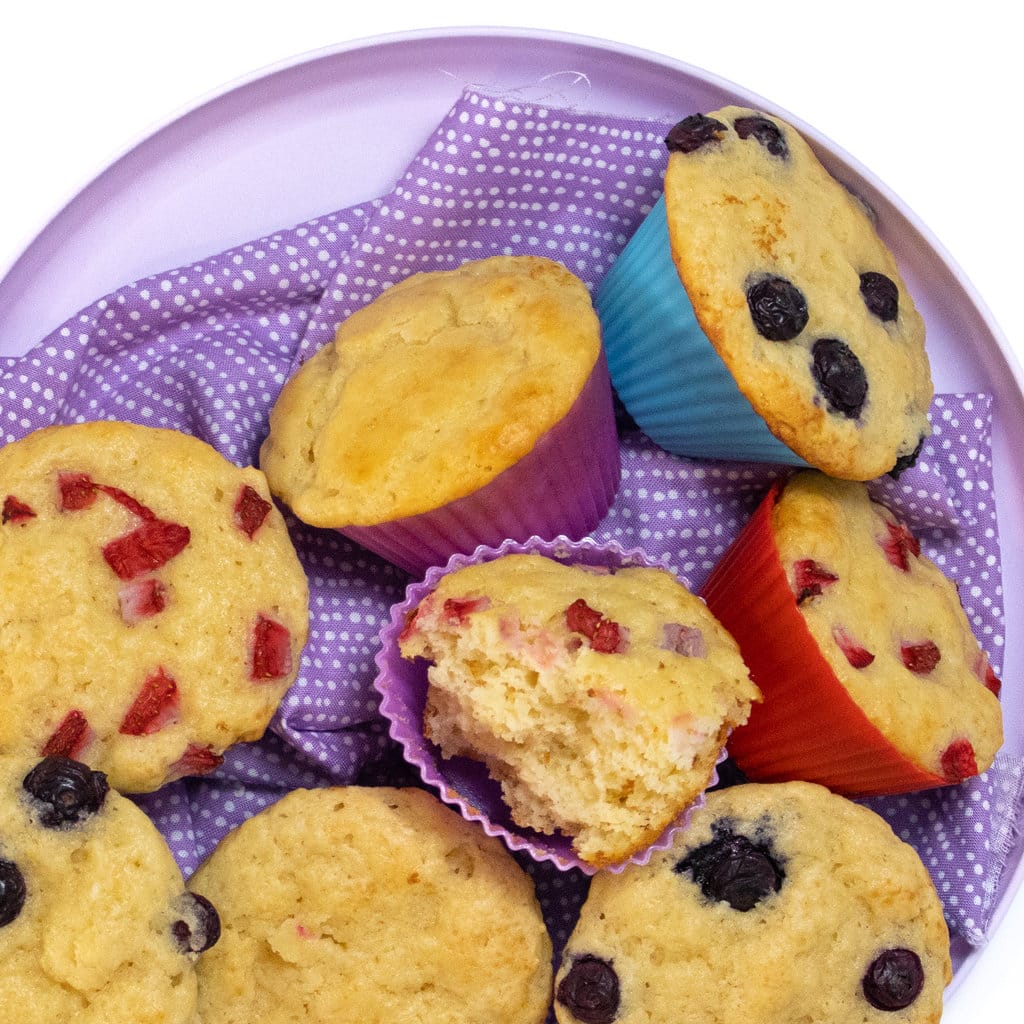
<point>665,371</point>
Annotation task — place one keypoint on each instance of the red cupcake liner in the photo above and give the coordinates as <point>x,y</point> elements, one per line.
<point>562,487</point>
<point>464,783</point>
<point>807,726</point>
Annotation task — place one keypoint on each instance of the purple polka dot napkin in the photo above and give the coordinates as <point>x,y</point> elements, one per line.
<point>205,348</point>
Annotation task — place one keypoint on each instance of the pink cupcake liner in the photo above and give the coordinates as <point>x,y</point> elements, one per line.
<point>461,782</point>
<point>563,486</point>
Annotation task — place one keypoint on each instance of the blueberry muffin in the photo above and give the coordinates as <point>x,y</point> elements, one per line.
<point>96,926</point>
<point>154,607</point>
<point>816,348</point>
<point>796,291</point>
<point>599,699</point>
<point>444,412</point>
<point>779,903</point>
<point>873,681</point>
<point>370,905</point>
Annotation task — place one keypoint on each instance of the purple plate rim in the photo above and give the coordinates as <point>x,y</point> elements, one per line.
<point>991,349</point>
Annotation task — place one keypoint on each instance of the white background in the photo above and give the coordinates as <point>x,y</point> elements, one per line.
<point>926,95</point>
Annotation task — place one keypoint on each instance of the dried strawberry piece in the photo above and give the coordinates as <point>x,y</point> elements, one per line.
<point>77,491</point>
<point>605,636</point>
<point>124,498</point>
<point>139,551</point>
<point>810,579</point>
<point>16,511</point>
<point>195,761</point>
<point>145,548</point>
<point>581,618</point>
<point>271,650</point>
<point>250,510</point>
<point>457,610</point>
<point>69,738</point>
<point>899,545</point>
<point>992,681</point>
<point>982,668</point>
<point>958,761</point>
<point>920,658</point>
<point>857,656</point>
<point>141,598</point>
<point>155,706</point>
<point>411,625</point>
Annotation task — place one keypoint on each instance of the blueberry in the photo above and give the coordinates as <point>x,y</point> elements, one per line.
<point>733,869</point>
<point>12,891</point>
<point>762,130</point>
<point>840,376</point>
<point>778,308</point>
<point>904,462</point>
<point>67,791</point>
<point>894,979</point>
<point>198,928</point>
<point>693,132</point>
<point>880,294</point>
<point>590,991</point>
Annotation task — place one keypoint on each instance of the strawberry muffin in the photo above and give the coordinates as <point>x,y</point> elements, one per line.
<point>873,681</point>
<point>599,698</point>
<point>154,607</point>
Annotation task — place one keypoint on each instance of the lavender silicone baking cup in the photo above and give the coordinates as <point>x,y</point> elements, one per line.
<point>465,783</point>
<point>563,486</point>
<point>664,369</point>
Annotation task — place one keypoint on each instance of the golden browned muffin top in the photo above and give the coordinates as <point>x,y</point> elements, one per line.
<point>430,391</point>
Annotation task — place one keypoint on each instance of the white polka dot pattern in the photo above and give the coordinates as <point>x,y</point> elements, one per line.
<point>503,177</point>
<point>205,349</point>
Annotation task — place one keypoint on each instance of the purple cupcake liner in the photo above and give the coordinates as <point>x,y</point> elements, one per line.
<point>563,486</point>
<point>461,782</point>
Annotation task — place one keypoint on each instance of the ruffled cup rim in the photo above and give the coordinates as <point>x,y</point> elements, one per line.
<point>461,782</point>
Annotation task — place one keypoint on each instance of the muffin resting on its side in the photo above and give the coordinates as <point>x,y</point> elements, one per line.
<point>370,906</point>
<point>600,700</point>
<point>779,903</point>
<point>460,407</point>
<point>873,681</point>
<point>758,304</point>
<point>96,926</point>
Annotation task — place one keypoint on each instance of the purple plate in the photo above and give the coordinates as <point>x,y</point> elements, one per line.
<point>213,178</point>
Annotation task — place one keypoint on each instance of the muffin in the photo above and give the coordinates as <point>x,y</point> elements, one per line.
<point>778,903</point>
<point>461,407</point>
<point>816,351</point>
<point>95,923</point>
<point>598,697</point>
<point>873,681</point>
<point>154,607</point>
<point>370,905</point>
